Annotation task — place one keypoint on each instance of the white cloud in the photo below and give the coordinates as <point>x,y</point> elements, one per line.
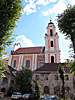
<point>31,5</point>
<point>72,2</point>
<point>62,57</point>
<point>44,2</point>
<point>30,8</point>
<point>57,9</point>
<point>25,42</point>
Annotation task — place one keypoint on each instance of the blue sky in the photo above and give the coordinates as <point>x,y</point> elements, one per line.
<point>36,15</point>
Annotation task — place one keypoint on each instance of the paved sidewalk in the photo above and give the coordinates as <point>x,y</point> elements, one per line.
<point>5,98</point>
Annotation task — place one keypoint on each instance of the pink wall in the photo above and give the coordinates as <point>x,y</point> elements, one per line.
<point>15,58</point>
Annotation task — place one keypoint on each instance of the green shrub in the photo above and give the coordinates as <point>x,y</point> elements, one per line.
<point>10,91</point>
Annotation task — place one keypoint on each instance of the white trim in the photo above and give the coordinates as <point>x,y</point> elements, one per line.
<point>35,61</point>
<point>21,60</point>
<point>28,54</point>
<point>10,59</point>
<point>19,66</point>
<point>32,62</point>
<point>46,58</point>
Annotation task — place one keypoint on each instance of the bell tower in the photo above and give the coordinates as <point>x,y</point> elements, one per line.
<point>52,52</point>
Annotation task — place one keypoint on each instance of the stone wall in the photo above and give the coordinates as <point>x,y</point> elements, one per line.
<point>54,83</point>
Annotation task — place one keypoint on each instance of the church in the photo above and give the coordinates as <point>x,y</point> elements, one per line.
<point>35,57</point>
<point>43,61</point>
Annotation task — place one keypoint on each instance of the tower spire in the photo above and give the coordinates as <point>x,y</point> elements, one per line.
<point>50,19</point>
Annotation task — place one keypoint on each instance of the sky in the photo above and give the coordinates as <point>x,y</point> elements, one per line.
<point>31,27</point>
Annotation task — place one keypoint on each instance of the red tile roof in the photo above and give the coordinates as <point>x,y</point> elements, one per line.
<point>51,67</point>
<point>29,50</point>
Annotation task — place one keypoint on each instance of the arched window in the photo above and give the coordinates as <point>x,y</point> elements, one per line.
<point>51,43</point>
<point>52,59</point>
<point>3,90</point>
<point>46,90</point>
<point>51,32</point>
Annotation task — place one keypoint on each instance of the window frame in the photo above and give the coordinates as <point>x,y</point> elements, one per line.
<point>55,77</point>
<point>51,32</point>
<point>37,77</point>
<point>66,77</point>
<point>51,43</point>
<point>25,63</point>
<point>46,76</point>
<point>51,59</point>
<point>40,62</point>
<point>14,64</point>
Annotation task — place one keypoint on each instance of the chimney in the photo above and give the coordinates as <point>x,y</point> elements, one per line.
<point>16,46</point>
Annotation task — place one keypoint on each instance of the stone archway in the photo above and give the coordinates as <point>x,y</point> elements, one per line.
<point>46,90</point>
<point>3,90</point>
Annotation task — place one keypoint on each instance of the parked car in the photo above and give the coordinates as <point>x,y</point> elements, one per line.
<point>54,97</point>
<point>47,98</point>
<point>16,95</point>
<point>26,97</point>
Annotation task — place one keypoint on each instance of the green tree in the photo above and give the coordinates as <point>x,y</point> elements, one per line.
<point>61,72</point>
<point>36,94</point>
<point>66,24</point>
<point>10,11</point>
<point>71,66</point>
<point>23,80</point>
<point>10,91</point>
<point>3,67</point>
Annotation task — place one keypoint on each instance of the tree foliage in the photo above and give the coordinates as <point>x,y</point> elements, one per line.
<point>3,67</point>
<point>66,24</point>
<point>61,72</point>
<point>10,11</point>
<point>36,94</point>
<point>23,80</point>
<point>10,91</point>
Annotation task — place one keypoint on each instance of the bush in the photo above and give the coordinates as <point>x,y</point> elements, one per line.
<point>10,91</point>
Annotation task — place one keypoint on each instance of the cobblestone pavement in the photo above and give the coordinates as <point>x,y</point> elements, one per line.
<point>5,98</point>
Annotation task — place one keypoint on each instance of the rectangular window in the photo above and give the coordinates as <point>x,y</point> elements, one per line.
<point>37,77</point>
<point>40,62</point>
<point>46,77</point>
<point>14,64</point>
<point>56,77</point>
<point>66,77</point>
<point>27,65</point>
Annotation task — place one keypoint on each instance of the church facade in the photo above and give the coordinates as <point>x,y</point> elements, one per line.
<point>44,62</point>
<point>35,57</point>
